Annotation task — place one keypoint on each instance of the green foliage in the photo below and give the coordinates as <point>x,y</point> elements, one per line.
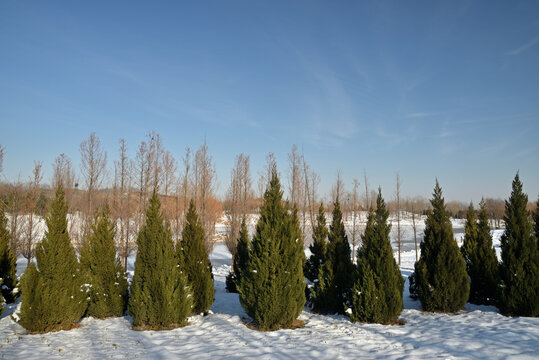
<point>8,261</point>
<point>53,297</point>
<point>272,287</point>
<point>441,280</point>
<point>104,273</point>
<point>338,268</point>
<point>239,261</point>
<point>519,269</point>
<point>480,258</point>
<point>318,247</point>
<point>2,304</point>
<point>196,263</point>
<point>377,292</point>
<point>160,295</point>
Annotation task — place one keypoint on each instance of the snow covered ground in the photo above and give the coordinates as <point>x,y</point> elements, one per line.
<point>478,332</point>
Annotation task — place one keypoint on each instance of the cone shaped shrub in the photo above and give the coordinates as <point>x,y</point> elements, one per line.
<point>519,269</point>
<point>377,292</point>
<point>480,258</point>
<point>318,247</point>
<point>441,279</point>
<point>106,279</point>
<point>240,259</point>
<point>196,263</point>
<point>338,269</point>
<point>8,261</point>
<point>53,297</point>
<point>160,295</point>
<point>272,287</point>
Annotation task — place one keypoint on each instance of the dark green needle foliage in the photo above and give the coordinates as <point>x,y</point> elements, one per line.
<point>240,259</point>
<point>272,287</point>
<point>339,267</point>
<point>519,269</point>
<point>318,247</point>
<point>441,281</point>
<point>53,297</point>
<point>196,263</point>
<point>8,261</point>
<point>160,295</point>
<point>480,258</point>
<point>106,279</point>
<point>376,296</point>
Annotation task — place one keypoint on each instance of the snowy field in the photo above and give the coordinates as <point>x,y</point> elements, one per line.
<point>478,332</point>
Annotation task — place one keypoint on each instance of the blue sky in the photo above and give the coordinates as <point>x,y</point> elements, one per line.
<point>426,88</point>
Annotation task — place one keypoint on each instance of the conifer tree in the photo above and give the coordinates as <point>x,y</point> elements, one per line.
<point>377,291</point>
<point>272,287</point>
<point>240,259</point>
<point>318,247</point>
<point>160,295</point>
<point>480,258</point>
<point>52,294</point>
<point>470,237</point>
<point>196,263</point>
<point>339,272</point>
<point>105,275</point>
<point>8,261</point>
<point>440,274</point>
<point>519,269</point>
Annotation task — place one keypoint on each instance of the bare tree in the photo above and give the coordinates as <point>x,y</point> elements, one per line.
<point>182,192</point>
<point>366,183</point>
<point>31,220</point>
<point>415,208</point>
<point>154,156</point>
<point>337,191</point>
<point>398,214</point>
<point>2,150</point>
<point>238,196</point>
<point>204,174</point>
<point>64,175</point>
<point>294,176</point>
<point>265,175</point>
<point>93,166</point>
<point>122,187</point>
<point>15,204</point>
<point>311,181</point>
<point>355,208</point>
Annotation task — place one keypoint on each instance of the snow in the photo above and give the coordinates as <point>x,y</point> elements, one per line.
<point>478,332</point>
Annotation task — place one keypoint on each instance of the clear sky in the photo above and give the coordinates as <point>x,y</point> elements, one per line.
<point>446,89</point>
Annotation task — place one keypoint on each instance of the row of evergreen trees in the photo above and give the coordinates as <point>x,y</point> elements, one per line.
<point>269,272</point>
<point>446,278</point>
<point>168,285</point>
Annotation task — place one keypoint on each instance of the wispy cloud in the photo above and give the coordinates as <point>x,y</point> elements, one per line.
<point>419,115</point>
<point>524,47</point>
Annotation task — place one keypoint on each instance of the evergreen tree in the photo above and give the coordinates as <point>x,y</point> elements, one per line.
<point>318,247</point>
<point>160,295</point>
<point>339,267</point>
<point>519,269</point>
<point>441,280</point>
<point>480,258</point>
<point>52,294</point>
<point>470,237</point>
<point>272,287</point>
<point>377,291</point>
<point>104,272</point>
<point>196,263</point>
<point>240,259</point>
<point>8,261</point>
